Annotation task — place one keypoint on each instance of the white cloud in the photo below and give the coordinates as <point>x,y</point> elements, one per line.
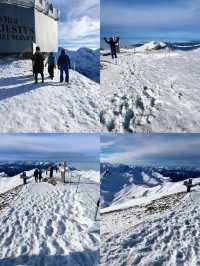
<point>80,28</point>
<point>148,148</point>
<point>79,23</point>
<point>151,15</point>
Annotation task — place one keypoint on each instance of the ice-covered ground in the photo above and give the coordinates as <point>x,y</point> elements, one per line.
<point>150,91</point>
<point>48,107</point>
<point>51,225</point>
<point>156,229</point>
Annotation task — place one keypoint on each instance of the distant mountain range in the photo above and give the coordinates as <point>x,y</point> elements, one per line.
<point>14,168</point>
<point>120,181</point>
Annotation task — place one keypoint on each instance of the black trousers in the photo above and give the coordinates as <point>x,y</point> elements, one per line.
<point>36,76</point>
<point>51,71</point>
<point>113,52</point>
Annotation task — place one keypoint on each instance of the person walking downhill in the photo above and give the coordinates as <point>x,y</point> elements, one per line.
<point>112,42</point>
<point>38,64</point>
<point>64,66</point>
<point>36,174</point>
<point>51,65</point>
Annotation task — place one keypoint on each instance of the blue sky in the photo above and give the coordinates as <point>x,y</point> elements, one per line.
<point>81,148</point>
<point>79,24</point>
<point>144,20</point>
<point>151,149</point>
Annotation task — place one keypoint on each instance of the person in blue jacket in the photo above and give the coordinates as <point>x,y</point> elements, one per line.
<point>63,66</point>
<point>51,65</point>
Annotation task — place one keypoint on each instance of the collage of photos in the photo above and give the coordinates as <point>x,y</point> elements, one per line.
<point>99,133</point>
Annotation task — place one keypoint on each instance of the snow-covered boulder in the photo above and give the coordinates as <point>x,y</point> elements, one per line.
<point>2,174</point>
<point>153,46</point>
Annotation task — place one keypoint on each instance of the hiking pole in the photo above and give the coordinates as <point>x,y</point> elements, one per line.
<point>78,183</point>
<point>97,208</point>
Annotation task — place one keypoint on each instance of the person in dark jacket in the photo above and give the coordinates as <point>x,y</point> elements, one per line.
<point>24,177</point>
<point>40,175</point>
<point>36,175</point>
<point>38,64</point>
<point>51,65</point>
<point>63,66</point>
<point>51,172</point>
<point>112,42</point>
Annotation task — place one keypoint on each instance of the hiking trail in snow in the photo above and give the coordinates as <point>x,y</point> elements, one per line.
<point>156,91</point>
<point>51,225</point>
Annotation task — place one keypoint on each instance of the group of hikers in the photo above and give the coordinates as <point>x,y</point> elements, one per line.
<point>38,173</point>
<point>113,42</point>
<point>63,64</point>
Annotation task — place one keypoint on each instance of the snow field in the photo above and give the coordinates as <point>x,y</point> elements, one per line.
<point>51,225</point>
<point>171,238</point>
<point>154,91</point>
<point>48,107</point>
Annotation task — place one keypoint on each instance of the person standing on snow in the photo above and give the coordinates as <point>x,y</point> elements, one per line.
<point>24,177</point>
<point>36,174</point>
<point>112,42</point>
<point>51,65</point>
<point>40,175</point>
<point>38,64</point>
<point>51,172</point>
<point>64,65</point>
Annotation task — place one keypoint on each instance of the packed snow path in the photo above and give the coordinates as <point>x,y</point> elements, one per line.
<point>170,238</point>
<point>47,107</point>
<point>49,225</point>
<point>151,92</point>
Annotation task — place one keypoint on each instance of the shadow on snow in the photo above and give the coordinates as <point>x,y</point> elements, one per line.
<point>21,88</point>
<point>83,258</point>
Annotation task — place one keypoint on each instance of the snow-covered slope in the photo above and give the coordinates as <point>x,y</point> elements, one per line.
<point>121,184</point>
<point>87,62</point>
<point>154,91</point>
<point>8,183</point>
<point>48,107</point>
<point>169,237</point>
<point>51,225</point>
<point>149,221</point>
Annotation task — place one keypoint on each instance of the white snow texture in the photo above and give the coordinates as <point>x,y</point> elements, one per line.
<point>51,225</point>
<point>47,107</point>
<point>150,90</point>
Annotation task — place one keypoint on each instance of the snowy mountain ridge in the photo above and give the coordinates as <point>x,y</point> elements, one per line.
<point>137,184</point>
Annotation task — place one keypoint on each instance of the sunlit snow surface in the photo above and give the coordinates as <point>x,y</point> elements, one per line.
<point>51,225</point>
<point>154,223</point>
<point>48,107</point>
<point>150,91</point>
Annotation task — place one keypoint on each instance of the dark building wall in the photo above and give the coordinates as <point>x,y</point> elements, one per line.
<point>17,29</point>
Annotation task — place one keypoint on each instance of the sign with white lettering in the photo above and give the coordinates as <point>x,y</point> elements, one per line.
<point>17,32</point>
